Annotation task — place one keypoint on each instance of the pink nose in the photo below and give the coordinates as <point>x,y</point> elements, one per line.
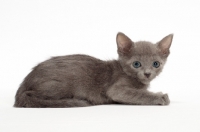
<point>147,74</point>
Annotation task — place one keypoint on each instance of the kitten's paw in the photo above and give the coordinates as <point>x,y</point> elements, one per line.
<point>166,99</point>
<point>162,99</point>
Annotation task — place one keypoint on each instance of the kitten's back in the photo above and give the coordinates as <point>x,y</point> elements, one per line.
<point>74,76</point>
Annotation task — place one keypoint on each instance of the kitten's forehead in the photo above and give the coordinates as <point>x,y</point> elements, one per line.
<point>144,48</point>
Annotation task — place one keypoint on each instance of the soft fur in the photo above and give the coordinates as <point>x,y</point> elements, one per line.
<point>81,80</point>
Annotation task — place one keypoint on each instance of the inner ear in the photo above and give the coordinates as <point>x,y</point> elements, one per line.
<point>124,43</point>
<point>165,44</point>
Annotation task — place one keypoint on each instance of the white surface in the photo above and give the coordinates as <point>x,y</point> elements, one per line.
<point>174,118</point>
<point>33,30</point>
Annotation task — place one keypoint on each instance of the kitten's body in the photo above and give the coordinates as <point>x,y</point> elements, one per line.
<point>80,80</point>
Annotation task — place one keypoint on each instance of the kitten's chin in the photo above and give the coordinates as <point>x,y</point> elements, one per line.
<point>145,82</point>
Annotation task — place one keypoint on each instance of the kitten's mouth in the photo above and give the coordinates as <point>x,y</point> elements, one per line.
<point>145,81</point>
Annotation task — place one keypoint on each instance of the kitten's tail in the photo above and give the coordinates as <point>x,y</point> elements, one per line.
<point>28,99</point>
<point>18,97</point>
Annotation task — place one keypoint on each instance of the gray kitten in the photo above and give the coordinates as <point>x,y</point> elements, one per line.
<point>81,80</point>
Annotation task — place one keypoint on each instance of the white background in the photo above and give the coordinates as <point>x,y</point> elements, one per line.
<point>32,31</point>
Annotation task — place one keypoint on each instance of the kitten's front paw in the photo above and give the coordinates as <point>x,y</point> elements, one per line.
<point>162,99</point>
<point>166,99</point>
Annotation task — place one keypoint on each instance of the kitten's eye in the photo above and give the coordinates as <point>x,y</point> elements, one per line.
<point>136,64</point>
<point>156,64</point>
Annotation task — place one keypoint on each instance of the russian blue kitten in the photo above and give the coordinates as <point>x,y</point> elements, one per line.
<point>81,80</point>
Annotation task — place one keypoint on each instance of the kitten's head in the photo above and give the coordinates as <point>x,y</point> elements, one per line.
<point>143,60</point>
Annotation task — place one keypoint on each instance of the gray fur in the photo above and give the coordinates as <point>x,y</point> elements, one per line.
<point>81,80</point>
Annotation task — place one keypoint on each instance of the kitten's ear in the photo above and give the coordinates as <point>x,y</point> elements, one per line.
<point>165,44</point>
<point>124,43</point>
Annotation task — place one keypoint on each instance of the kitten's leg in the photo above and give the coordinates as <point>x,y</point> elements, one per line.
<point>127,95</point>
<point>31,101</point>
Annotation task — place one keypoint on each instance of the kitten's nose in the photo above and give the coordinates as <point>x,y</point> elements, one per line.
<point>147,74</point>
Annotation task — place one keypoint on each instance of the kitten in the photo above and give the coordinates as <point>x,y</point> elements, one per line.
<point>81,80</point>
